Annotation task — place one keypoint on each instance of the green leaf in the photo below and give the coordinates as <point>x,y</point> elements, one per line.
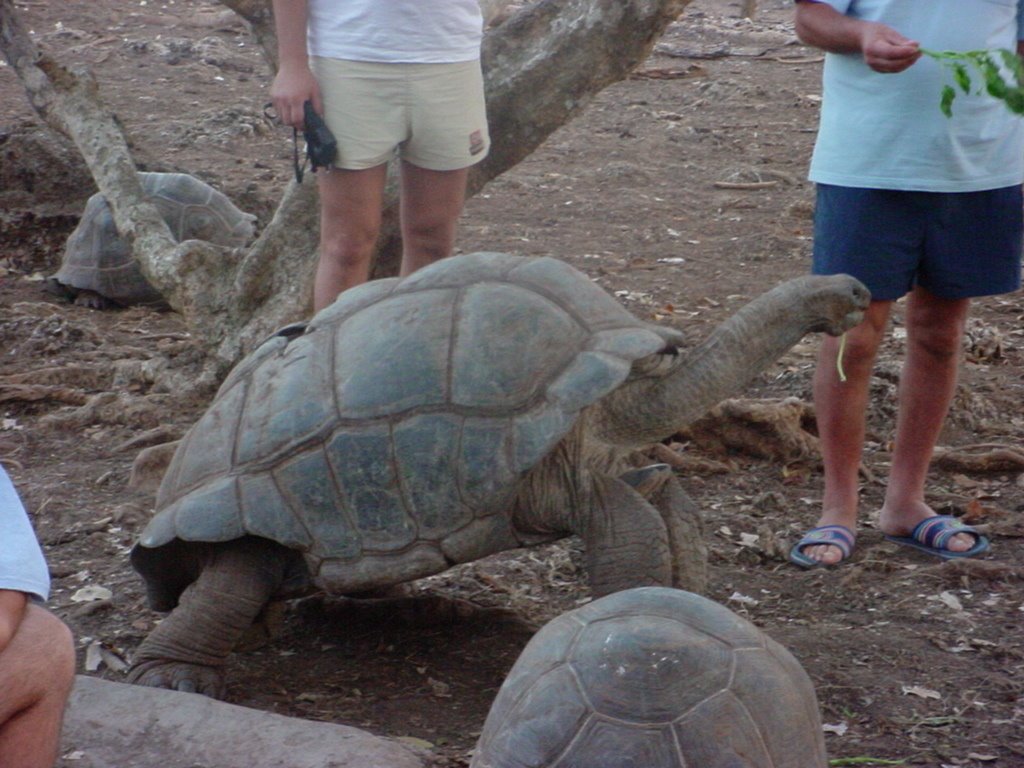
<point>994,83</point>
<point>963,79</point>
<point>946,104</point>
<point>1015,101</point>
<point>1013,63</point>
<point>993,66</point>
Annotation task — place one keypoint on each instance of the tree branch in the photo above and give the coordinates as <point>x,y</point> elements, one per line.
<point>542,66</point>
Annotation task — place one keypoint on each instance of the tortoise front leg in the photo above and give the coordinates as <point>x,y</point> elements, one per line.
<point>627,542</point>
<point>188,650</point>
<point>684,524</point>
<point>685,527</point>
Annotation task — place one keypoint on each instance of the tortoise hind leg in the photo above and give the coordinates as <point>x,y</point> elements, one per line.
<point>188,650</point>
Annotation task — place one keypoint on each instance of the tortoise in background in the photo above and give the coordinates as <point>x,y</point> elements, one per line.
<point>98,269</point>
<point>653,678</point>
<point>484,403</point>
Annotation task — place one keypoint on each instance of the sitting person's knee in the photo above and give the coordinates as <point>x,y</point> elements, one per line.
<point>49,639</point>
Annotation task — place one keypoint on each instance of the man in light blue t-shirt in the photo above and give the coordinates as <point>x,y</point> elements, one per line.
<point>915,204</point>
<point>37,654</point>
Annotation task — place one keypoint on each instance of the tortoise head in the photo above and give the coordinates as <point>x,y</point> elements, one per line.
<point>670,390</point>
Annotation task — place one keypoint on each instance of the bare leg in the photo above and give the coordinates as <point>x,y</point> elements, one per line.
<point>37,670</point>
<point>840,407</point>
<point>431,203</point>
<point>935,329</point>
<point>350,216</point>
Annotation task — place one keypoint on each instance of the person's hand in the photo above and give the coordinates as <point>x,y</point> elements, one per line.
<point>886,50</point>
<point>292,87</point>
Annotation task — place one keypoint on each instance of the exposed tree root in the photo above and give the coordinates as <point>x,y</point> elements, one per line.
<point>30,393</point>
<point>110,408</point>
<point>986,570</point>
<point>979,459</point>
<point>769,429</point>
<point>687,464</point>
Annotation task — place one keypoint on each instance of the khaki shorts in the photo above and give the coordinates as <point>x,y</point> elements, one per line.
<point>431,115</point>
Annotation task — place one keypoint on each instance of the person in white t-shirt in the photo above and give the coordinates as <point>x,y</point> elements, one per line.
<point>916,204</point>
<point>37,654</point>
<point>397,78</point>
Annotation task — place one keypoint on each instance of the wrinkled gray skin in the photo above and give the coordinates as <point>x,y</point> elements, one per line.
<point>653,677</point>
<point>484,403</point>
<point>98,269</point>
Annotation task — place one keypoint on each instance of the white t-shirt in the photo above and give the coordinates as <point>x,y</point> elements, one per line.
<point>886,131</point>
<point>22,567</point>
<point>408,31</point>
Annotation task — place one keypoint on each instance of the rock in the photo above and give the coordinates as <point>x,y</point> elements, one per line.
<point>113,724</point>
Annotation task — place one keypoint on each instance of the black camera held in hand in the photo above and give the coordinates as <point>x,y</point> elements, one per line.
<point>321,146</point>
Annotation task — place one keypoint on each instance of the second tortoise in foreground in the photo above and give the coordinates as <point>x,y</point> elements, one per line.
<point>484,403</point>
<point>653,678</point>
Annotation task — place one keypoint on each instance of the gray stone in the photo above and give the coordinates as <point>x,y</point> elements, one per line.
<point>114,725</point>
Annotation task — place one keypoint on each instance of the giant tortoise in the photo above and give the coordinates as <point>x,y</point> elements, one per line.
<point>98,268</point>
<point>653,678</point>
<point>483,403</point>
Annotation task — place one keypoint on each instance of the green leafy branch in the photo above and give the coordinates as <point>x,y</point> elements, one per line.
<point>992,66</point>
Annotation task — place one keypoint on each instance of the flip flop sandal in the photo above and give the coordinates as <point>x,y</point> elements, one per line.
<point>832,535</point>
<point>933,533</point>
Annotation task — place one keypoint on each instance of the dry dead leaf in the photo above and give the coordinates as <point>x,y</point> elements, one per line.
<point>736,597</point>
<point>919,690</point>
<point>796,474</point>
<point>93,659</point>
<point>749,540</point>
<point>91,593</point>
<point>975,512</point>
<point>112,659</point>
<point>97,654</point>
<point>439,689</point>
<point>951,600</point>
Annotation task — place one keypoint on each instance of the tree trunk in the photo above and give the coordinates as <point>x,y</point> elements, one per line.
<point>542,66</point>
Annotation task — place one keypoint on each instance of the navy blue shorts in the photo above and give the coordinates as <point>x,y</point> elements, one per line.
<point>955,244</point>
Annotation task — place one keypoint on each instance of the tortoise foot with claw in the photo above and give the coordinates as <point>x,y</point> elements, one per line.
<point>179,676</point>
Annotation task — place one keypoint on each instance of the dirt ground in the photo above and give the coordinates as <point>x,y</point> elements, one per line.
<point>682,191</point>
